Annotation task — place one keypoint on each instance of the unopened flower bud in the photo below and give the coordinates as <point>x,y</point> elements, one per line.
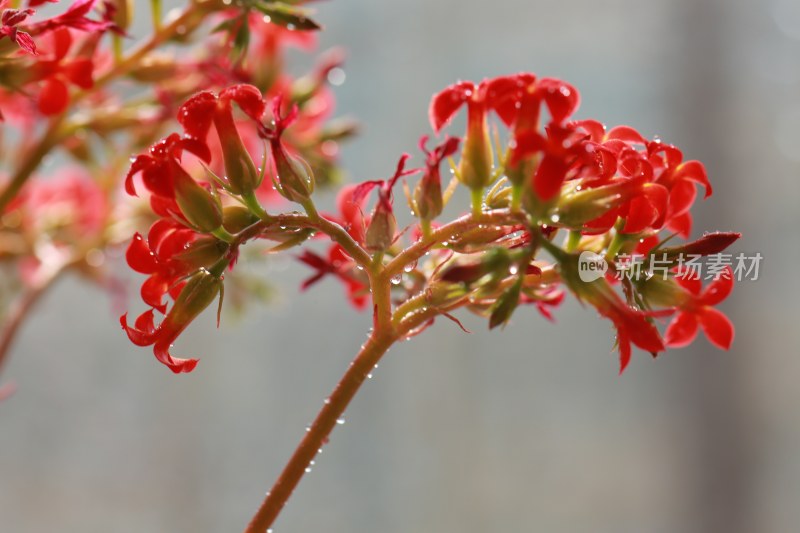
<point>294,178</point>
<point>381,230</point>
<point>203,253</point>
<point>505,306</point>
<point>235,218</point>
<point>196,203</point>
<point>428,201</point>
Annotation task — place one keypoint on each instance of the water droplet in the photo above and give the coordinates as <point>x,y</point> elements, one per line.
<point>555,218</point>
<point>267,19</point>
<point>369,376</point>
<point>336,76</point>
<point>410,267</point>
<point>340,421</point>
<point>513,269</point>
<point>308,428</point>
<point>397,280</point>
<point>327,401</point>
<point>308,469</point>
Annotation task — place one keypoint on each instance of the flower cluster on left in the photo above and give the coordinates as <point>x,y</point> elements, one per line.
<point>81,90</point>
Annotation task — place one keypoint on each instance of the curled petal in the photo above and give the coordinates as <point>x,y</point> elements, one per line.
<point>144,333</point>
<point>717,327</point>
<point>681,224</point>
<point>626,134</point>
<point>694,171</point>
<point>139,164</point>
<point>176,364</point>
<point>594,128</point>
<point>247,97</point>
<point>681,331</point>
<point>445,104</point>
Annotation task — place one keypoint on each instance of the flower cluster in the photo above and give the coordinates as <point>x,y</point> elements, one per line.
<point>70,83</point>
<point>558,185</point>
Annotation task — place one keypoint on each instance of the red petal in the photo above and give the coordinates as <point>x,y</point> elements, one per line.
<point>139,256</point>
<point>79,72</point>
<point>445,104</point>
<point>248,97</point>
<point>681,224</point>
<point>626,134</point>
<point>153,290</point>
<point>62,41</point>
<point>594,128</point>
<point>140,163</point>
<point>562,99</point>
<point>508,108</point>
<point>176,364</point>
<point>719,289</point>
<point>681,197</point>
<point>681,331</point>
<point>717,327</point>
<point>197,114</point>
<point>693,284</point>
<point>695,171</point>
<point>502,95</point>
<point>549,176</point>
<point>54,97</point>
<point>640,216</point>
<point>140,336</point>
<point>25,42</point>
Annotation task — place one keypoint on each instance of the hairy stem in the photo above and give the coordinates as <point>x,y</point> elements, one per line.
<point>441,234</point>
<point>319,431</point>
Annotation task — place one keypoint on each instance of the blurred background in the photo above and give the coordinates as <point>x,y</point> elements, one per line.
<point>529,429</point>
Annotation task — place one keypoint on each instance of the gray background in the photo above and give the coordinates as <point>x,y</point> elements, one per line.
<point>525,430</point>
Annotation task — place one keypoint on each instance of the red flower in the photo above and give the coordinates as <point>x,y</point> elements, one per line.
<point>56,70</point>
<point>524,108</point>
<point>205,108</point>
<point>76,17</point>
<point>201,289</point>
<point>697,311</point>
<point>562,148</point>
<point>475,167</point>
<point>8,27</point>
<point>680,178</point>
<point>161,165</point>
<point>159,257</point>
